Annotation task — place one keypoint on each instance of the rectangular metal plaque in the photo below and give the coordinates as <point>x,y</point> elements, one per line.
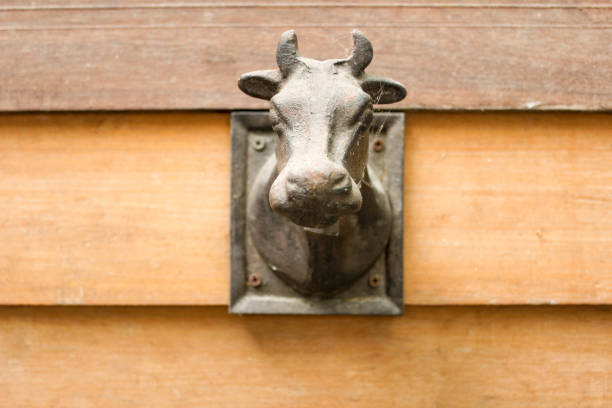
<point>378,292</point>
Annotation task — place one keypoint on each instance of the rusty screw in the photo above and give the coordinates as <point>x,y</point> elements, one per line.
<point>259,144</point>
<point>374,281</point>
<point>254,280</point>
<point>379,145</point>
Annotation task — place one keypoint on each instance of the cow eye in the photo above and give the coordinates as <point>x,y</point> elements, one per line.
<point>365,117</point>
<point>276,113</point>
<point>361,114</point>
<point>278,125</point>
<point>274,117</point>
<point>278,128</point>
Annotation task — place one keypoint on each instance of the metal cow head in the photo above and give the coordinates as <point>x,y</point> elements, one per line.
<point>321,112</point>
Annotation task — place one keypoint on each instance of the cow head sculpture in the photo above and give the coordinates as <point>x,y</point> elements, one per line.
<point>321,112</point>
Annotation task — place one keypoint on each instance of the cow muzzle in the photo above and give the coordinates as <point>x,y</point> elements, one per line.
<point>314,193</point>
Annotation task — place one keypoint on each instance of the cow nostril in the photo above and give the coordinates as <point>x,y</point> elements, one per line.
<point>341,184</point>
<point>295,182</point>
<point>317,181</point>
<point>291,183</point>
<point>293,178</point>
<point>338,178</point>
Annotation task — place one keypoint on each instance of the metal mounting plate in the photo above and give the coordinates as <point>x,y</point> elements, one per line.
<point>253,141</point>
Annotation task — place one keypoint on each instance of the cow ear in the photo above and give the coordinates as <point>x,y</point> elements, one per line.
<point>383,90</point>
<point>260,84</point>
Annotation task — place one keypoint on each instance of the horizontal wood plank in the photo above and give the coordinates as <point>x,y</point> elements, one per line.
<point>118,209</point>
<point>133,208</point>
<point>523,357</point>
<point>134,55</point>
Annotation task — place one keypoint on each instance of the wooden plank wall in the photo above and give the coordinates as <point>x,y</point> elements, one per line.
<point>133,208</point>
<point>502,357</point>
<point>118,208</point>
<point>175,54</point>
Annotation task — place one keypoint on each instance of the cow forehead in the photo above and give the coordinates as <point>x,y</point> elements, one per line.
<point>323,84</point>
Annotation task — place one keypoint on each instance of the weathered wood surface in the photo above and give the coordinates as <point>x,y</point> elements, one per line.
<point>116,208</point>
<point>102,54</point>
<point>523,357</point>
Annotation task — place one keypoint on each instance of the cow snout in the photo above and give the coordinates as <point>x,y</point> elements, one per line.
<point>314,193</point>
<point>317,181</point>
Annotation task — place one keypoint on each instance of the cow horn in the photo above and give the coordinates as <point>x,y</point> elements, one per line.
<point>287,52</point>
<point>362,53</point>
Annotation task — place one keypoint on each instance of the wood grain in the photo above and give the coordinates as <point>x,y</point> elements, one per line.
<point>114,208</point>
<point>451,357</point>
<point>134,55</point>
<point>508,208</point>
<point>118,208</point>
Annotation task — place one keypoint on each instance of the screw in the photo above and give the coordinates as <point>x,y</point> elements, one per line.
<point>254,280</point>
<point>374,281</point>
<point>259,144</point>
<point>379,145</point>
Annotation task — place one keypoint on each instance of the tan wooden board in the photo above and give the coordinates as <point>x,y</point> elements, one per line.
<point>118,208</point>
<point>107,55</point>
<point>520,357</point>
